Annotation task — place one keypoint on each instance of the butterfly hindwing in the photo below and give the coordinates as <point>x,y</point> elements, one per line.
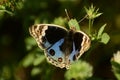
<point>54,54</point>
<point>81,43</point>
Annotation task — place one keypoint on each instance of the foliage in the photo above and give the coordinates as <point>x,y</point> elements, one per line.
<point>74,23</point>
<point>80,70</point>
<point>115,61</point>
<point>92,13</point>
<point>20,57</point>
<point>104,37</point>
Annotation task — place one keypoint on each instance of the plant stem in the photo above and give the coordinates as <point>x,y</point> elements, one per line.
<point>92,22</point>
<point>89,26</point>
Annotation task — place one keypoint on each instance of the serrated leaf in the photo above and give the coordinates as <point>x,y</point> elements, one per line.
<point>74,23</point>
<point>105,38</point>
<point>101,31</point>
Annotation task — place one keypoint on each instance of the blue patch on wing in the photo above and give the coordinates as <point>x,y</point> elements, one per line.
<point>56,48</point>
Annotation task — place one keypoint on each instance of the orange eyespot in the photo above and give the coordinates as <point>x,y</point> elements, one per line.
<point>60,59</point>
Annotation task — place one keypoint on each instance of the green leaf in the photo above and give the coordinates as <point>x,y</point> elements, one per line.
<point>98,14</point>
<point>101,31</point>
<point>10,13</point>
<point>116,65</point>
<point>35,71</point>
<point>38,60</point>
<point>74,23</point>
<point>92,12</point>
<point>105,38</point>
<point>116,69</point>
<point>30,42</point>
<point>60,21</point>
<point>2,7</point>
<point>79,70</point>
<point>28,60</point>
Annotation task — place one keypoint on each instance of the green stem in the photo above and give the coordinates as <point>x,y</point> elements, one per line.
<point>92,22</point>
<point>89,26</point>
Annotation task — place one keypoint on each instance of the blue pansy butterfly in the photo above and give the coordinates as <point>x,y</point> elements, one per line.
<point>61,46</point>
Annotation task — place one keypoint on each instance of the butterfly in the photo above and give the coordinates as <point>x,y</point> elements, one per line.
<point>61,46</point>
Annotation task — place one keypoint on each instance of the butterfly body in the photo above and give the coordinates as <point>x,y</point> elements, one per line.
<point>61,46</point>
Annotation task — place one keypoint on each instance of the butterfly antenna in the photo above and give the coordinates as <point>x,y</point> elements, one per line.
<point>67,14</point>
<point>82,18</point>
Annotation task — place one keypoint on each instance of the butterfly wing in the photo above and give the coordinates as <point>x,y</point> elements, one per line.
<point>81,43</point>
<point>47,34</point>
<point>55,55</point>
<point>50,37</point>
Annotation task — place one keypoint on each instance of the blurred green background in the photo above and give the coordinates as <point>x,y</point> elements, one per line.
<point>18,51</point>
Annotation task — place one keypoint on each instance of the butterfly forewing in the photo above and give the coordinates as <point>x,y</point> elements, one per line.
<point>47,34</point>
